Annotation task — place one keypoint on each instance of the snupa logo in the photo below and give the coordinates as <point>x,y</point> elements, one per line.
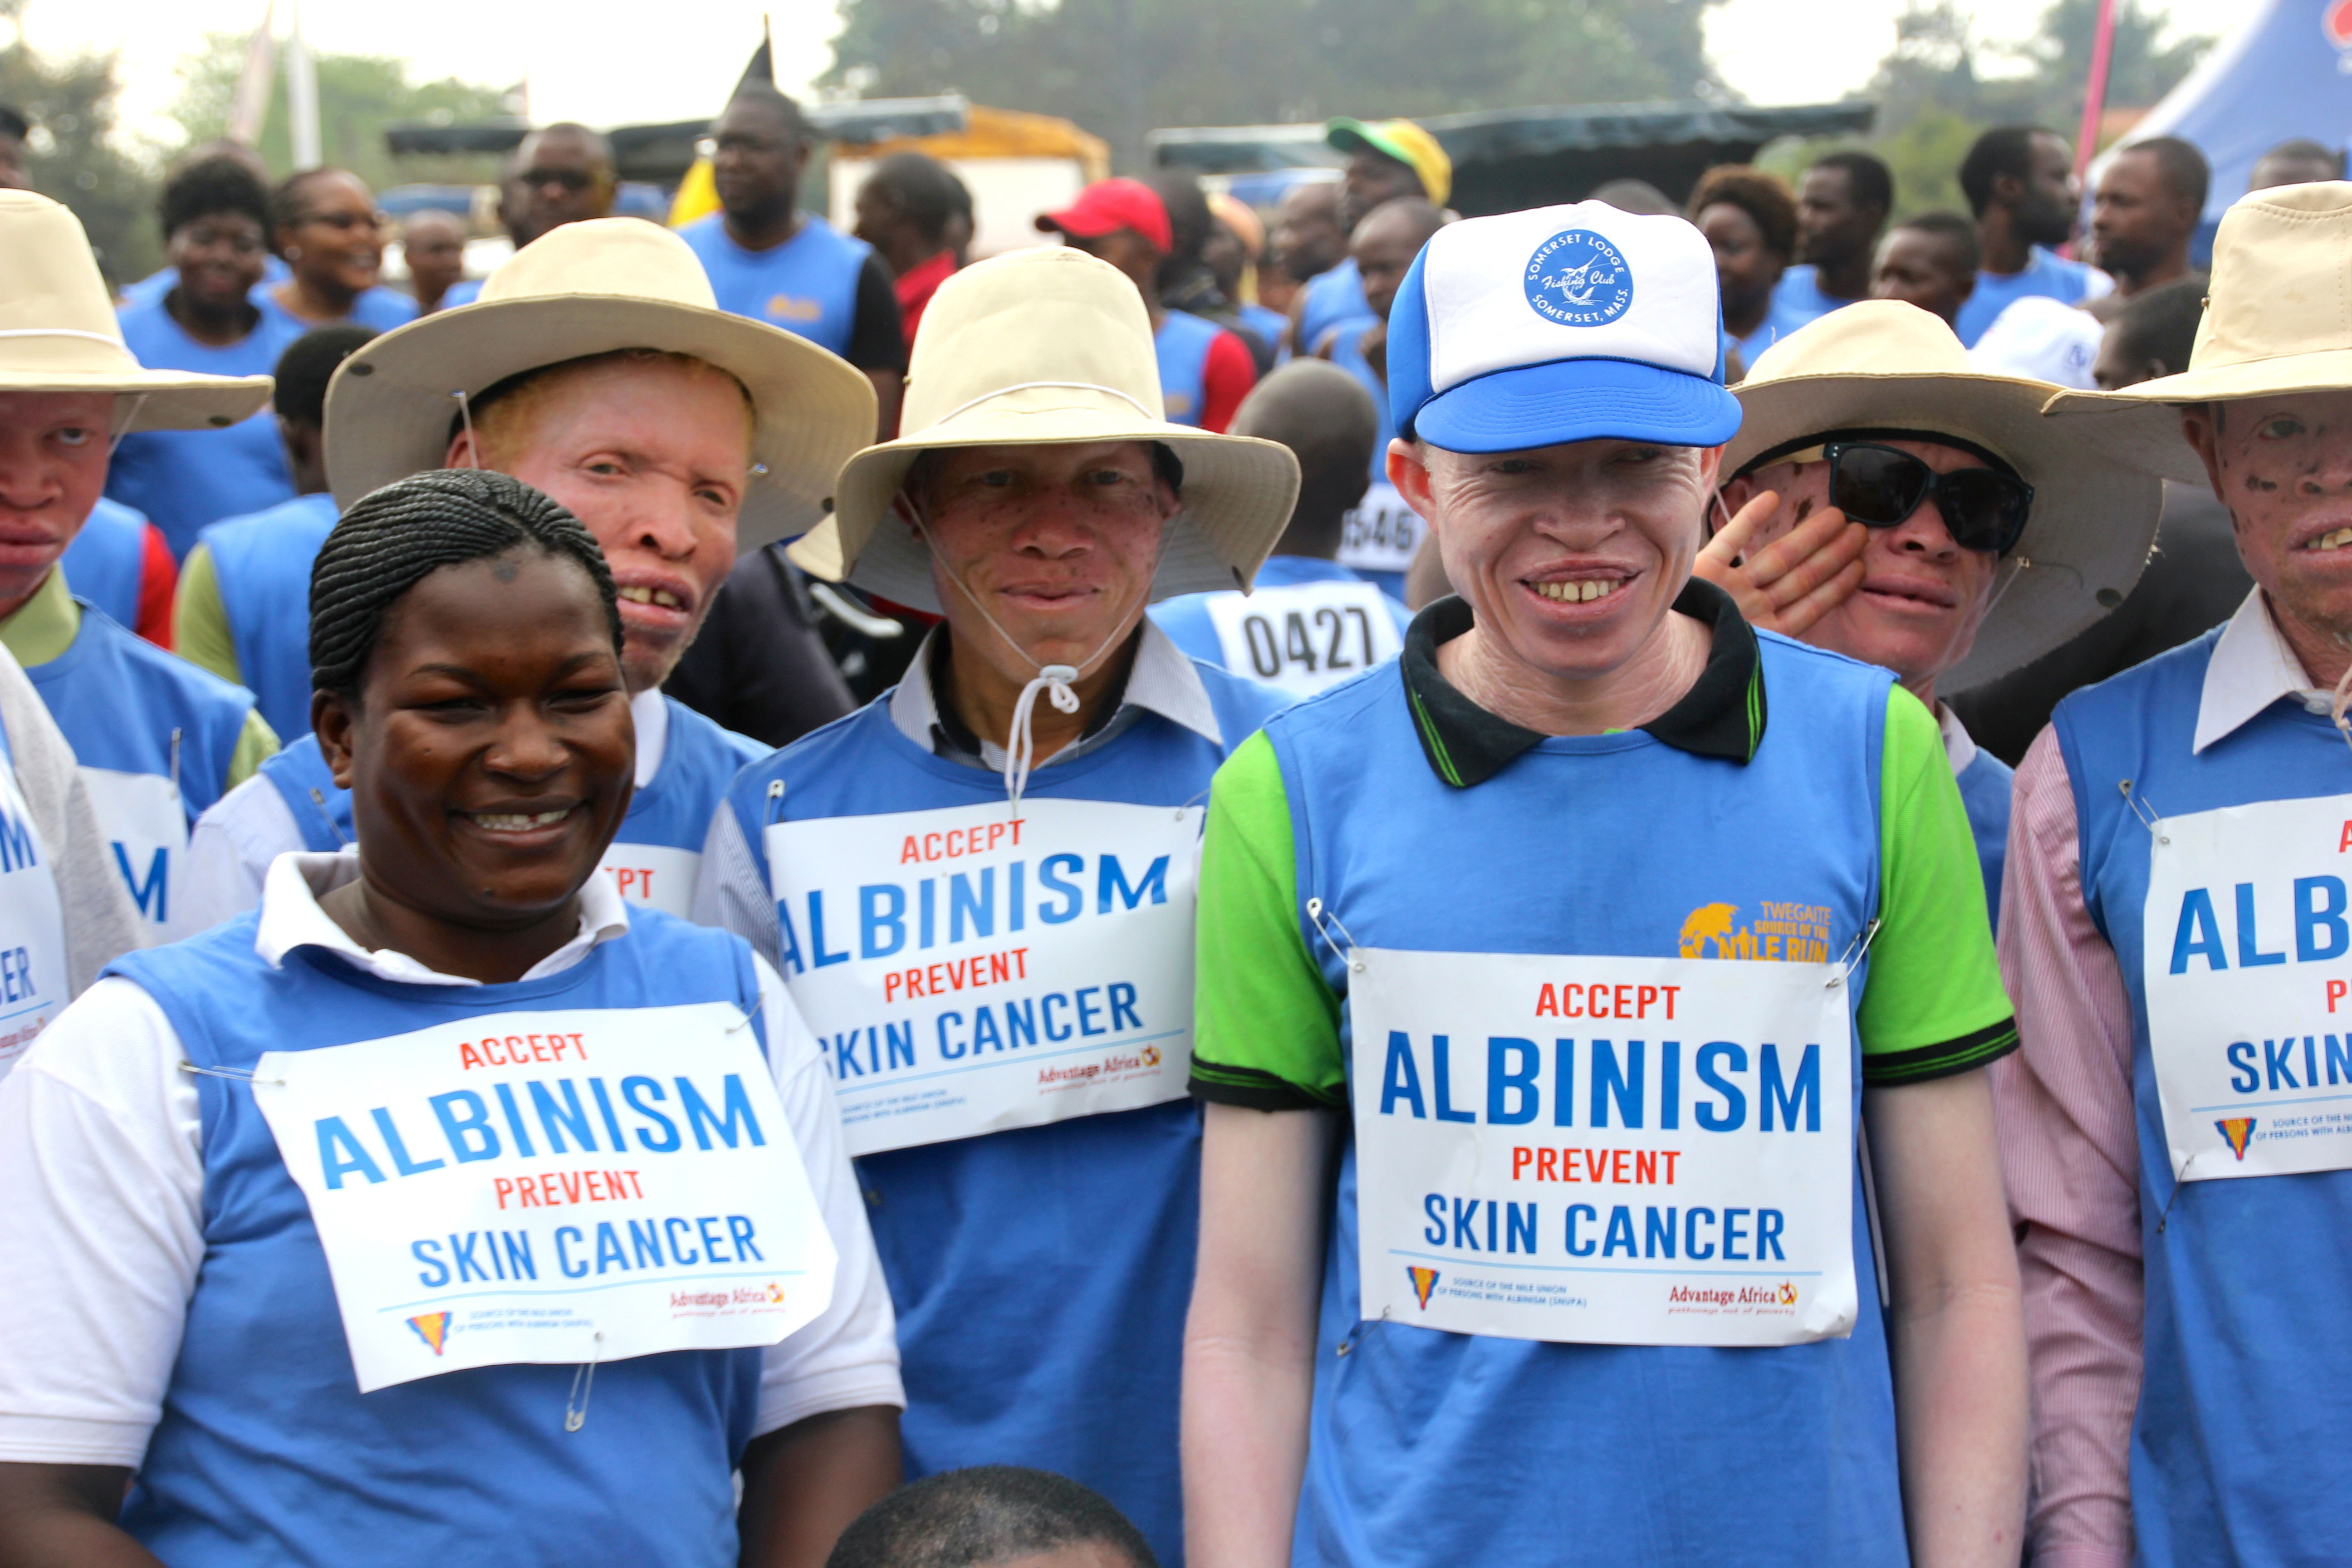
<point>1578,278</point>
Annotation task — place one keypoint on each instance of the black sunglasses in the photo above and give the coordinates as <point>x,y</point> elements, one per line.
<point>1984,509</point>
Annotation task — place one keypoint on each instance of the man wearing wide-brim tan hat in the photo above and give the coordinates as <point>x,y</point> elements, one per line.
<point>1989,535</point>
<point>157,739</point>
<point>1001,959</point>
<point>595,367</point>
<point>2176,938</point>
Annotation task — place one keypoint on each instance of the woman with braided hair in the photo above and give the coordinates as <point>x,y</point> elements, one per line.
<point>445,1208</point>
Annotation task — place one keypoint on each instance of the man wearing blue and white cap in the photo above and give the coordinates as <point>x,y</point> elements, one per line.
<point>1600,1262</point>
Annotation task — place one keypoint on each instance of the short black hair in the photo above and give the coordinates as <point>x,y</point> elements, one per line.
<point>1188,218</point>
<point>2303,147</point>
<point>2160,323</point>
<point>1870,181</point>
<point>786,107</point>
<point>285,202</point>
<point>990,1514</point>
<point>210,186</point>
<point>14,123</point>
<point>1950,225</point>
<point>1763,196</point>
<point>299,397</point>
<point>2003,150</point>
<point>2182,166</point>
<point>926,190</point>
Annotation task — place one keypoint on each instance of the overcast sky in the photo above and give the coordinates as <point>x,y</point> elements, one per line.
<point>610,63</point>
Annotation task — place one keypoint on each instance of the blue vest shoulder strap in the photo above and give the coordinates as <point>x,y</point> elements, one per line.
<point>262,564</point>
<point>126,705</point>
<point>321,809</point>
<point>106,562</point>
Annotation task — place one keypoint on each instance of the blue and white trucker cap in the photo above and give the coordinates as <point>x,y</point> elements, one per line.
<point>1569,323</point>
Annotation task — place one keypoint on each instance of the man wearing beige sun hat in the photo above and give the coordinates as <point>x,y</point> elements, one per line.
<point>1989,535</point>
<point>1002,966</point>
<point>2173,1133</point>
<point>595,367</point>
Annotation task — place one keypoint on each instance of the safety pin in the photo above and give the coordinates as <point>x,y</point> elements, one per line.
<point>1855,951</point>
<point>583,1387</point>
<point>175,759</point>
<point>1349,956</point>
<point>2180,1180</point>
<point>328,817</point>
<point>1187,805</point>
<point>745,1021</point>
<point>775,801</point>
<point>2144,810</point>
<point>231,1074</point>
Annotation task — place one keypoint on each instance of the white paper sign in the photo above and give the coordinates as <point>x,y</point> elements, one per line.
<point>967,971</point>
<point>1307,636</point>
<point>1604,1151</point>
<point>32,928</point>
<point>569,1185</point>
<point>1382,533</point>
<point>147,824</point>
<point>654,875</point>
<point>2248,973</point>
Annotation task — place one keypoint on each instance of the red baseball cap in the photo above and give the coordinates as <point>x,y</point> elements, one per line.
<point>1109,205</point>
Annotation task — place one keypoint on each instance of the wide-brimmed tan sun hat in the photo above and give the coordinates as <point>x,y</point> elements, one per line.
<point>1885,365</point>
<point>596,287</point>
<point>2278,318</point>
<point>1049,347</point>
<point>58,331</point>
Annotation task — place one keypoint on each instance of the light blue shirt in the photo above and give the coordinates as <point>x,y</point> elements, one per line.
<point>2046,273</point>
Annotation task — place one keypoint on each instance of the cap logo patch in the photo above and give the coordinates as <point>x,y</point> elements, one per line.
<point>1579,280</point>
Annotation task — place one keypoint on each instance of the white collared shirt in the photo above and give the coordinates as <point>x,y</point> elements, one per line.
<point>1960,746</point>
<point>2251,668</point>
<point>102,1157</point>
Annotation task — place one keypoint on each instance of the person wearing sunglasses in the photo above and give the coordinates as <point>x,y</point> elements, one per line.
<point>560,174</point>
<point>1984,537</point>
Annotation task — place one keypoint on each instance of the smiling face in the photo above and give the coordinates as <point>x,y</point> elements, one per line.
<point>1922,596</point>
<point>653,454</point>
<point>2283,464</point>
<point>219,257</point>
<point>1571,556</point>
<point>336,240</point>
<point>1058,543</point>
<point>53,451</point>
<point>490,753</point>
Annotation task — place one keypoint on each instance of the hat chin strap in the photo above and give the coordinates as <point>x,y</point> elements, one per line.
<point>114,442</point>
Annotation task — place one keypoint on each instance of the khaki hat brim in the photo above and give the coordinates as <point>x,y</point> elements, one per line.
<point>1238,494</point>
<point>2094,511</point>
<point>171,400</point>
<point>391,403</point>
<point>2097,413</point>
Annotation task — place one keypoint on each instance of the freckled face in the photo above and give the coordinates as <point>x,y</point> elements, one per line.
<point>2283,466</point>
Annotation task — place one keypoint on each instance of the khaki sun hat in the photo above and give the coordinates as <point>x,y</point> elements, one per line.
<point>2278,318</point>
<point>1049,347</point>
<point>595,287</point>
<point>1883,365</point>
<point>58,331</point>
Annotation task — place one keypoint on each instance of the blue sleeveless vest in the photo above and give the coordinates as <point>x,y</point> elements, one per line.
<point>183,479</point>
<point>1985,791</point>
<point>1182,344</point>
<point>672,812</point>
<point>1185,618</point>
<point>266,1452</point>
<point>1332,298</point>
<point>807,286</point>
<point>1440,1448</point>
<point>106,562</point>
<point>1041,1276</point>
<point>2242,1450</point>
<point>262,564</point>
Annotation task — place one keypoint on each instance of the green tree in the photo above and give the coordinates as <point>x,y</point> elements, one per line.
<point>1120,67</point>
<point>2143,64</point>
<point>359,95</point>
<point>73,156</point>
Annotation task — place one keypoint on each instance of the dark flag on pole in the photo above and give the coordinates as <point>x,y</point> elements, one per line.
<point>762,72</point>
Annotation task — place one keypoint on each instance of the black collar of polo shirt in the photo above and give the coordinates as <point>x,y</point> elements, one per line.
<point>1722,715</point>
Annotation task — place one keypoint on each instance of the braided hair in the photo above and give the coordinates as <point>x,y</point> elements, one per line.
<point>393,538</point>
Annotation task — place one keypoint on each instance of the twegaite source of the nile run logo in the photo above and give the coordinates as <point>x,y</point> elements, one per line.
<point>1425,1280</point>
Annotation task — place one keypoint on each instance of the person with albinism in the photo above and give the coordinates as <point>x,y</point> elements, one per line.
<point>310,1298</point>
<point>2175,1156</point>
<point>1306,622</point>
<point>157,739</point>
<point>597,368</point>
<point>979,886</point>
<point>1548,978</point>
<point>1988,535</point>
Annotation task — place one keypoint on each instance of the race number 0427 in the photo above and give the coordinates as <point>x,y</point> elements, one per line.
<point>1296,645</point>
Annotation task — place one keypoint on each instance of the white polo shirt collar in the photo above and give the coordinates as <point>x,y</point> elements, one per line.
<point>2251,668</point>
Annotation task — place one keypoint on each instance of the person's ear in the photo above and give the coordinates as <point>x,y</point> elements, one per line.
<point>1738,492</point>
<point>2201,427</point>
<point>1410,475</point>
<point>2155,368</point>
<point>464,452</point>
<point>330,719</point>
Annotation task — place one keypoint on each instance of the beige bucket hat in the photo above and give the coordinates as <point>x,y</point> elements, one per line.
<point>595,287</point>
<point>58,331</point>
<point>1885,365</point>
<point>2278,318</point>
<point>1044,347</point>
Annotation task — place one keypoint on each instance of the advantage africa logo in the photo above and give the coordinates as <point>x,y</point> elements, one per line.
<point>433,1328</point>
<point>1425,1280</point>
<point>2237,1130</point>
<point>1579,280</point>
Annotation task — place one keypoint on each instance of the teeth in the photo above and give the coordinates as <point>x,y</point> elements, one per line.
<point>518,822</point>
<point>1585,592</point>
<point>662,596</point>
<point>2336,541</point>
